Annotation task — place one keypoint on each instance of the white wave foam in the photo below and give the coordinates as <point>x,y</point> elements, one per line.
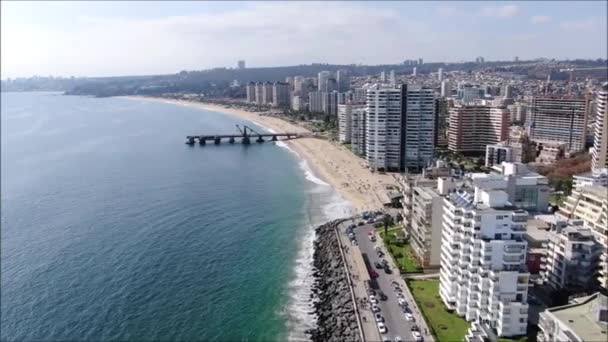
<point>337,207</point>
<point>300,289</point>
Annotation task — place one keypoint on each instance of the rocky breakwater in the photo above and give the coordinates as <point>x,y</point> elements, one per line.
<point>336,320</point>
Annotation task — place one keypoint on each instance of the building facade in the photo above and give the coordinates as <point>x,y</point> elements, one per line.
<point>315,102</point>
<point>251,92</point>
<point>345,122</point>
<point>323,76</point>
<point>599,158</point>
<point>280,94</point>
<point>418,137</point>
<point>472,127</point>
<point>483,256</point>
<point>559,120</point>
<point>358,130</point>
<point>498,153</point>
<point>383,128</point>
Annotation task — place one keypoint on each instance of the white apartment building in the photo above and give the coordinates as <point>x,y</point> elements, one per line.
<point>298,103</point>
<point>259,93</point>
<point>571,258</point>
<point>598,177</point>
<point>418,144</point>
<point>250,92</point>
<point>590,204</point>
<point>383,128</point>
<point>599,159</point>
<point>345,122</point>
<point>586,319</point>
<point>267,93</point>
<point>483,275</point>
<point>358,130</point>
<point>446,88</point>
<point>323,76</point>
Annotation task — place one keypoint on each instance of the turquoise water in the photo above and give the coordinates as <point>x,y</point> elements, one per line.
<point>114,229</point>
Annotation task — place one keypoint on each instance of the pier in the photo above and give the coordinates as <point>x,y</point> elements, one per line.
<point>245,136</point>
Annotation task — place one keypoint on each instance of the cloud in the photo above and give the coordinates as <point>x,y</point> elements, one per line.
<point>540,19</point>
<point>449,11</point>
<point>505,11</point>
<point>586,25</point>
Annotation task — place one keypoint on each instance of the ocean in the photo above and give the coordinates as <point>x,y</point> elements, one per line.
<point>114,229</point>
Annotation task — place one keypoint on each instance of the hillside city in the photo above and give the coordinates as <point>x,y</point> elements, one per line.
<point>501,205</point>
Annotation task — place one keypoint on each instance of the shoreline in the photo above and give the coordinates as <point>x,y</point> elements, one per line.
<point>346,173</point>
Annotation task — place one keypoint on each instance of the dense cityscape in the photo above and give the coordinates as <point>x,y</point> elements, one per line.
<point>466,149</point>
<point>351,171</point>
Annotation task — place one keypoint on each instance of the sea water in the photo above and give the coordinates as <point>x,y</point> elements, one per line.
<point>114,229</point>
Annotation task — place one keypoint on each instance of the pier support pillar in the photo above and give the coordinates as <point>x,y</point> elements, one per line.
<point>217,140</point>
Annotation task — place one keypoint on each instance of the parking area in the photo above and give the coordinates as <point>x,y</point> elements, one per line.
<point>389,301</point>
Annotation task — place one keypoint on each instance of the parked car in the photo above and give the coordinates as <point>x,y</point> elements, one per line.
<point>387,269</point>
<point>400,295</point>
<point>373,274</point>
<point>409,317</point>
<point>382,328</point>
<point>373,299</point>
<point>369,221</point>
<point>360,223</point>
<point>375,308</point>
<point>386,339</point>
<point>417,336</point>
<point>382,295</point>
<point>378,265</point>
<point>372,238</point>
<point>371,292</point>
<point>398,339</point>
<point>354,242</point>
<point>379,317</point>
<point>415,328</point>
<point>402,302</point>
<point>380,254</point>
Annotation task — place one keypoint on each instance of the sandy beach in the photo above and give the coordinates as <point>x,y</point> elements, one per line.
<point>334,163</point>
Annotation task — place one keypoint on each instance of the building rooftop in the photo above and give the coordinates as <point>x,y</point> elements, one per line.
<point>599,191</point>
<point>582,317</point>
<point>537,230</point>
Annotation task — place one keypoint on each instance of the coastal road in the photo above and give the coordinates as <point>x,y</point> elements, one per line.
<point>391,311</point>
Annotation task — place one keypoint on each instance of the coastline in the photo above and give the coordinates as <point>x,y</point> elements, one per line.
<point>337,166</point>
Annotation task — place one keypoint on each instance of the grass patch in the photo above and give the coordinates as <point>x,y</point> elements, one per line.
<point>445,326</point>
<point>402,253</point>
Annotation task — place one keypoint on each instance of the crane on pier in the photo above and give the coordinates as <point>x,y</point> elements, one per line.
<point>572,70</point>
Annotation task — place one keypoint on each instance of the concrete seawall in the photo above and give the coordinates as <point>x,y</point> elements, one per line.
<point>337,320</point>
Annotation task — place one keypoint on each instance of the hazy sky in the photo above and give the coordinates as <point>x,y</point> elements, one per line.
<point>136,38</point>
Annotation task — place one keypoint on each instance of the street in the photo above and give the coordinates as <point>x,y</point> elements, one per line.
<point>390,310</point>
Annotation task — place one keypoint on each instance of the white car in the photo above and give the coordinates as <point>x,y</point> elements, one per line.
<point>402,301</point>
<point>379,317</point>
<point>373,300</point>
<point>382,328</point>
<point>417,336</point>
<point>409,317</point>
<point>398,339</point>
<point>375,308</point>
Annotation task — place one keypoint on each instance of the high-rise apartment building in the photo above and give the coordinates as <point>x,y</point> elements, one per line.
<point>391,78</point>
<point>315,102</point>
<point>267,92</point>
<point>329,103</point>
<point>298,103</point>
<point>441,122</point>
<point>483,273</point>
<point>571,258</point>
<point>600,140</point>
<point>440,74</point>
<point>414,71</point>
<point>280,94</point>
<point>358,130</point>
<point>418,132</point>
<point>322,80</point>
<point>343,79</point>
<point>345,116</point>
<point>559,120</point>
<point>299,85</point>
<point>472,127</point>
<point>590,204</point>
<point>332,85</point>
<point>446,88</point>
<point>400,127</point>
<point>507,92</point>
<point>259,93</point>
<point>250,92</point>
<point>383,128</point>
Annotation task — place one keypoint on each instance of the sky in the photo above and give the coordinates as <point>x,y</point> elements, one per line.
<point>140,38</point>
